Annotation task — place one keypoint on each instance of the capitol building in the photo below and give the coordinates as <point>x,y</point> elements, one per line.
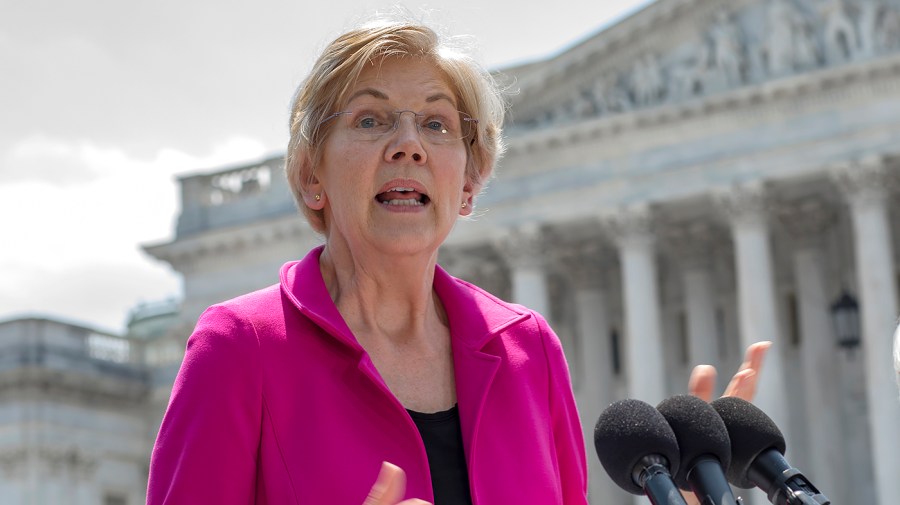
<point>700,176</point>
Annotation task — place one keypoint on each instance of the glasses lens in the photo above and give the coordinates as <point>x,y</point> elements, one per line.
<point>437,125</point>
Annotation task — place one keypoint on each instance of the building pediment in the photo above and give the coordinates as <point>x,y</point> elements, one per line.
<point>677,52</point>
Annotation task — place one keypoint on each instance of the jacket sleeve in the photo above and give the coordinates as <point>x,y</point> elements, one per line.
<point>564,421</point>
<point>207,446</point>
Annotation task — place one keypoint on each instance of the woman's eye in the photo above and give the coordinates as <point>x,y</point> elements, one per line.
<point>435,125</point>
<point>367,122</point>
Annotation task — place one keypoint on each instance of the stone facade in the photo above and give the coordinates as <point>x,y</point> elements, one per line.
<point>74,410</point>
<point>700,176</point>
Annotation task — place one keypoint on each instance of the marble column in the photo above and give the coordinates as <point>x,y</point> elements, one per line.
<point>865,186</point>
<point>692,246</point>
<point>745,206</point>
<point>587,266</point>
<point>645,367</point>
<point>807,222</point>
<point>481,267</point>
<point>523,250</point>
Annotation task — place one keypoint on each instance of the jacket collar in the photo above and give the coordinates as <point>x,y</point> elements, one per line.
<point>475,316</point>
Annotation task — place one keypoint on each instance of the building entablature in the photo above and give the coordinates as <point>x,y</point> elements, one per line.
<point>737,108</point>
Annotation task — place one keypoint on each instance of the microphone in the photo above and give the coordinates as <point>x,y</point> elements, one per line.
<point>705,448</point>
<point>757,456</point>
<point>638,450</point>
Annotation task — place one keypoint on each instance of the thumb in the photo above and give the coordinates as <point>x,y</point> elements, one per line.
<point>389,487</point>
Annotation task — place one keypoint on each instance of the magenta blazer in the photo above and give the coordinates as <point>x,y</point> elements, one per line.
<point>276,402</point>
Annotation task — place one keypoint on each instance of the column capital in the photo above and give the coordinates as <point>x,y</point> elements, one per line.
<point>692,244</point>
<point>523,246</point>
<point>806,220</point>
<point>863,182</point>
<point>480,266</point>
<point>632,225</point>
<point>586,263</point>
<point>744,203</point>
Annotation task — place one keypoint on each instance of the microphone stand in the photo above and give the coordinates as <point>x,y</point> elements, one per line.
<point>656,481</point>
<point>788,486</point>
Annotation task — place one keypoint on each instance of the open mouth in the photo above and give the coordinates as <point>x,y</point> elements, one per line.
<point>402,196</point>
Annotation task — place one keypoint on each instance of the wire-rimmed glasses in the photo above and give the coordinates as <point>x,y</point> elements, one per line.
<point>437,125</point>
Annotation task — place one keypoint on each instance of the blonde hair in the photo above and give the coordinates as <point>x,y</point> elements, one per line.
<point>339,66</point>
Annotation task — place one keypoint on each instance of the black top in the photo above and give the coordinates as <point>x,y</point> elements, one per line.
<point>442,436</point>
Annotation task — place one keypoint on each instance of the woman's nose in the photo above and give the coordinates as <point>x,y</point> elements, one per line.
<point>405,140</point>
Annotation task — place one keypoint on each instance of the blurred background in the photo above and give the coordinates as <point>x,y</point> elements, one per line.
<point>683,178</point>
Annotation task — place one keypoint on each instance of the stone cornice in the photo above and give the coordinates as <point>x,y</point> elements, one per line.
<point>856,78</point>
<point>227,240</point>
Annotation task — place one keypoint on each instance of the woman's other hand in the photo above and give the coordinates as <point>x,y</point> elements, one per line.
<point>743,385</point>
<point>389,487</point>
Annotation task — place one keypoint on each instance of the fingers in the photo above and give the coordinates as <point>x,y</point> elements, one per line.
<point>743,384</point>
<point>389,487</point>
<point>702,383</point>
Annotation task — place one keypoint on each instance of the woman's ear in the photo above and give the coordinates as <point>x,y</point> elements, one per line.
<point>468,201</point>
<point>311,187</point>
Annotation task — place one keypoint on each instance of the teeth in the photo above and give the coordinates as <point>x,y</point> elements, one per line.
<point>410,202</point>
<point>402,189</point>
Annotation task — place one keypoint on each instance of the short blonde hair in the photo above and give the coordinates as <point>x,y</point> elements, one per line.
<point>338,68</point>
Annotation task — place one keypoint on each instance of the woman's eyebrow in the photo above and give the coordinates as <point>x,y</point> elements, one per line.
<point>440,96</point>
<point>374,93</point>
<point>368,91</point>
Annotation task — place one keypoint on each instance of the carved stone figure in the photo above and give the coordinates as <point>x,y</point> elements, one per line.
<point>609,96</point>
<point>647,80</point>
<point>598,97</point>
<point>868,19</point>
<point>686,77</point>
<point>887,32</point>
<point>582,105</point>
<point>840,33</point>
<point>780,37</point>
<point>804,43</point>
<point>726,50</point>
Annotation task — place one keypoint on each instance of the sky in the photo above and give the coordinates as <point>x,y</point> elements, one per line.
<point>103,103</point>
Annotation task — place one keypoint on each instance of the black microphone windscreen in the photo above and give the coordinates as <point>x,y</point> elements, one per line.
<point>627,431</point>
<point>751,431</point>
<point>699,431</point>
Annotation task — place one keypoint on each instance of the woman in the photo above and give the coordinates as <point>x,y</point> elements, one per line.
<point>367,352</point>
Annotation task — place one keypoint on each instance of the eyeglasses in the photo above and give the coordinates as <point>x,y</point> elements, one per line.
<point>440,125</point>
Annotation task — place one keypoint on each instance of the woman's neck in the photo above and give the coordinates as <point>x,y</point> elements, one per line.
<point>384,296</point>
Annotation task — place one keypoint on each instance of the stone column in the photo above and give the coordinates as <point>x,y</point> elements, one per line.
<point>523,250</point>
<point>692,246</point>
<point>587,264</point>
<point>807,221</point>
<point>864,185</point>
<point>745,207</point>
<point>644,363</point>
<point>481,267</point>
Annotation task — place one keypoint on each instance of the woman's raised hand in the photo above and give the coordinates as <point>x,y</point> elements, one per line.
<point>389,487</point>
<point>743,385</point>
